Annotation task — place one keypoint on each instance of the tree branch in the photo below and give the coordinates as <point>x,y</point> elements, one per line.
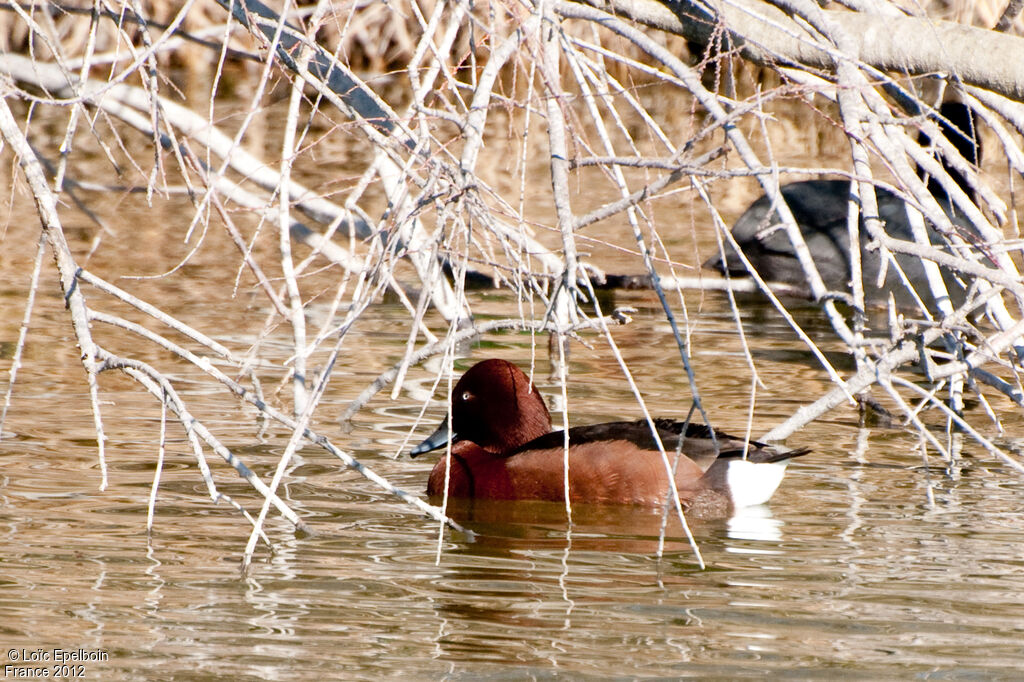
<point>911,45</point>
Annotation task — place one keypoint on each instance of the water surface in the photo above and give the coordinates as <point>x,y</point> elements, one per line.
<point>873,561</point>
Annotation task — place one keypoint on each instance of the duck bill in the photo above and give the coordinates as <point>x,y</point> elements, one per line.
<point>438,439</point>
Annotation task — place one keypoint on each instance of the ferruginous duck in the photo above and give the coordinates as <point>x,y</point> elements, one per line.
<point>503,448</point>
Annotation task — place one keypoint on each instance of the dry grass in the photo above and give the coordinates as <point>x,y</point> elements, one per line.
<point>371,36</point>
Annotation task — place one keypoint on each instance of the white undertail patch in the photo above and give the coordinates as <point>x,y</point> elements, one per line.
<point>753,483</point>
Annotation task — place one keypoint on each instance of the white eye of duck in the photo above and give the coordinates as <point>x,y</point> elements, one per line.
<point>466,395</point>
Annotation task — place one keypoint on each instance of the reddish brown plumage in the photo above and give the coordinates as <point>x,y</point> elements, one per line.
<point>503,448</point>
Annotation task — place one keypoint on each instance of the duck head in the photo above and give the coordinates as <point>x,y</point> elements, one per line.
<point>495,406</point>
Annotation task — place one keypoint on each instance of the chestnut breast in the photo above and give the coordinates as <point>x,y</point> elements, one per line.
<point>609,472</point>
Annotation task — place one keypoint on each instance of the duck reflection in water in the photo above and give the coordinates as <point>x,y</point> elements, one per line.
<point>501,527</point>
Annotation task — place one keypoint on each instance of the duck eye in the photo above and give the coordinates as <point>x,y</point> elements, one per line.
<point>466,395</point>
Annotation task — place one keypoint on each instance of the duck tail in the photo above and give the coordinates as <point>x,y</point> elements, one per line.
<point>754,480</point>
<point>771,456</point>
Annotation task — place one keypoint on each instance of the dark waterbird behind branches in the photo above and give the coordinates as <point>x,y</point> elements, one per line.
<point>820,209</point>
